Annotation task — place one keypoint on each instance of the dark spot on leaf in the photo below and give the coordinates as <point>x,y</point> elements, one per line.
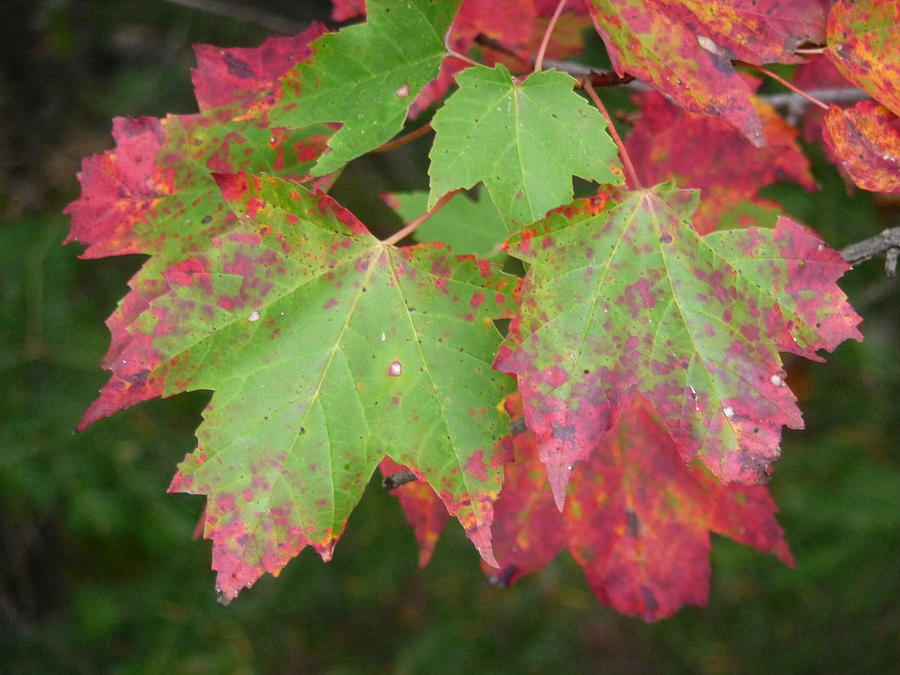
<point>632,523</point>
<point>650,604</point>
<point>237,67</point>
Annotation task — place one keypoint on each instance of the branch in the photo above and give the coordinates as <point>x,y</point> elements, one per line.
<point>232,10</point>
<point>888,242</point>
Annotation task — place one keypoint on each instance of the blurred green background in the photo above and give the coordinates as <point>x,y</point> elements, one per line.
<point>98,571</point>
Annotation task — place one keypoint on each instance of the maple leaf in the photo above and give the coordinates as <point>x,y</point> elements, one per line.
<point>631,299</point>
<point>703,152</point>
<point>637,519</point>
<point>321,365</point>
<point>240,75</point>
<point>685,49</point>
<point>467,226</point>
<point>366,76</point>
<point>865,143</point>
<point>524,141</point>
<point>154,194</point>
<point>864,45</point>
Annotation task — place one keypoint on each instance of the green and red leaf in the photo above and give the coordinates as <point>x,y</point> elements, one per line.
<point>242,75</point>
<point>154,194</point>
<point>322,364</point>
<point>864,44</point>
<point>631,300</point>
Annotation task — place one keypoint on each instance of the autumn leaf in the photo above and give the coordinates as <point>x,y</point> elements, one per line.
<point>645,42</point>
<point>759,31</point>
<point>366,76</point>
<point>865,143</point>
<point>637,519</point>
<point>685,49</point>
<point>131,193</point>
<point>632,300</point>
<point>524,141</point>
<point>154,194</point>
<point>703,152</point>
<point>864,44</point>
<point>240,75</point>
<point>322,365</point>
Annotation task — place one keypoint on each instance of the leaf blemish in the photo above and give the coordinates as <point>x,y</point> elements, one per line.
<point>395,369</point>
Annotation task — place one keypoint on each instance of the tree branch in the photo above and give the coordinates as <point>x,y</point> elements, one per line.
<point>232,10</point>
<point>887,242</point>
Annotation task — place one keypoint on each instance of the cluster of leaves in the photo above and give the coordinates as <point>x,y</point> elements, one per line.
<point>622,398</point>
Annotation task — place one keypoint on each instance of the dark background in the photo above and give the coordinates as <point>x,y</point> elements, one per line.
<point>98,571</point>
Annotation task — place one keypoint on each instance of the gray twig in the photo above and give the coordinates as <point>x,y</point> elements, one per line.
<point>887,242</point>
<point>248,14</point>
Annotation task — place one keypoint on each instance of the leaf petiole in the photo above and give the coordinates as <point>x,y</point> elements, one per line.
<point>778,78</point>
<point>630,172</point>
<point>539,59</point>
<point>414,225</point>
<point>404,139</point>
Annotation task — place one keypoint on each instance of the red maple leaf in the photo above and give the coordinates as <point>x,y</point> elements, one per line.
<point>240,75</point>
<point>637,519</point>
<point>703,152</point>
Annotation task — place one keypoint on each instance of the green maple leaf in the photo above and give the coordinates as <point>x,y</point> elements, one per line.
<point>366,76</point>
<point>524,140</point>
<point>327,351</point>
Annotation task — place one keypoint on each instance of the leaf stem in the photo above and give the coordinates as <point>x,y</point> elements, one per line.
<point>463,58</point>
<point>539,59</point>
<point>413,226</point>
<point>778,78</point>
<point>630,173</point>
<point>406,138</point>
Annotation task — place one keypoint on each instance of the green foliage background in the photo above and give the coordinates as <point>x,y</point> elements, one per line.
<point>98,571</point>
